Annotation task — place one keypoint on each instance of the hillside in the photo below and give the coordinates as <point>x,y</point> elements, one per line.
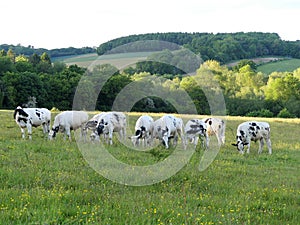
<point>223,47</point>
<point>53,53</point>
<point>117,60</point>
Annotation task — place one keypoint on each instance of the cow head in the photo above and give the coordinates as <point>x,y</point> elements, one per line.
<point>140,133</point>
<point>100,127</point>
<point>240,144</point>
<point>52,133</point>
<point>166,137</point>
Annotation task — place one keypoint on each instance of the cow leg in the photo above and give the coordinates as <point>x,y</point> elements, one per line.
<point>68,133</point>
<point>83,133</point>
<point>29,129</point>
<point>207,141</point>
<point>183,140</point>
<point>195,141</point>
<point>220,141</point>
<point>248,147</point>
<point>261,145</point>
<point>268,141</point>
<point>23,133</point>
<point>165,141</point>
<point>175,140</point>
<point>110,136</point>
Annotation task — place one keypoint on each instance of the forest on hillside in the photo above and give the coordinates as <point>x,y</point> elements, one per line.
<point>245,91</point>
<point>223,47</point>
<point>58,52</point>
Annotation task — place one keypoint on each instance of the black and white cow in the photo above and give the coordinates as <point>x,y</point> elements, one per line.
<point>143,130</point>
<point>32,117</point>
<point>194,129</point>
<point>92,123</point>
<point>168,127</point>
<point>253,131</point>
<point>215,126</point>
<point>67,121</point>
<point>111,122</point>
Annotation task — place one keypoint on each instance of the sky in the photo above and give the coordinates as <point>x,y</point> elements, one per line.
<point>64,23</point>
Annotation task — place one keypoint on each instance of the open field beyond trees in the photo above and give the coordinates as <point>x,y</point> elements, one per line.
<point>49,182</point>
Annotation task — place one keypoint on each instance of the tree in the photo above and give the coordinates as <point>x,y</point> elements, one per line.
<point>6,65</point>
<point>245,62</point>
<point>282,87</point>
<point>20,86</point>
<point>3,53</point>
<point>250,83</point>
<point>45,58</point>
<point>11,55</point>
<point>34,59</point>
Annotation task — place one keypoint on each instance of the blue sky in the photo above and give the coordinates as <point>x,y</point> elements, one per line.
<point>65,23</point>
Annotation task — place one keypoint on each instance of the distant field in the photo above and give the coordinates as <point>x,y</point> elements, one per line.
<point>287,65</point>
<point>50,182</point>
<point>119,60</point>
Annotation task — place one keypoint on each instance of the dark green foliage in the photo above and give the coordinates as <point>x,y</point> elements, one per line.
<point>246,91</point>
<point>245,62</point>
<point>284,113</point>
<point>260,113</point>
<point>223,47</point>
<point>30,50</point>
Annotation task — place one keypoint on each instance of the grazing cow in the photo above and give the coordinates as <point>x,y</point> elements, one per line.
<point>253,131</point>
<point>92,123</point>
<point>32,117</point>
<point>111,122</point>
<point>67,121</point>
<point>143,130</point>
<point>193,129</point>
<point>168,127</point>
<point>215,126</point>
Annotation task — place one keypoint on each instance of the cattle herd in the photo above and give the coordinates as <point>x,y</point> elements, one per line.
<point>147,129</point>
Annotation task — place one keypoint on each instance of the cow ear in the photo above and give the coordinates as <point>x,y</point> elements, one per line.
<point>234,144</point>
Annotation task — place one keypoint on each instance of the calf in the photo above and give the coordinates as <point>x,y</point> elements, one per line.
<point>32,117</point>
<point>215,126</point>
<point>193,129</point>
<point>67,121</point>
<point>111,122</point>
<point>143,130</point>
<point>253,131</point>
<point>168,127</point>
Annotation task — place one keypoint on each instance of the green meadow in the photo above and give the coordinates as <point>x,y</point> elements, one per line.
<point>50,182</point>
<point>118,60</point>
<point>286,65</point>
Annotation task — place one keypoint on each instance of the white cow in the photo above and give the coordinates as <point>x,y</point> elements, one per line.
<point>194,129</point>
<point>143,130</point>
<point>168,127</point>
<point>32,117</point>
<point>67,121</point>
<point>253,131</point>
<point>111,122</point>
<point>215,126</point>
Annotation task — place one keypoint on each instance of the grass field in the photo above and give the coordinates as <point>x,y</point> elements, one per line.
<point>119,60</point>
<point>287,65</point>
<point>49,182</point>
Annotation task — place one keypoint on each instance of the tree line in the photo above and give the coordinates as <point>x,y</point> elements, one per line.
<point>223,47</point>
<point>246,91</point>
<point>58,52</point>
